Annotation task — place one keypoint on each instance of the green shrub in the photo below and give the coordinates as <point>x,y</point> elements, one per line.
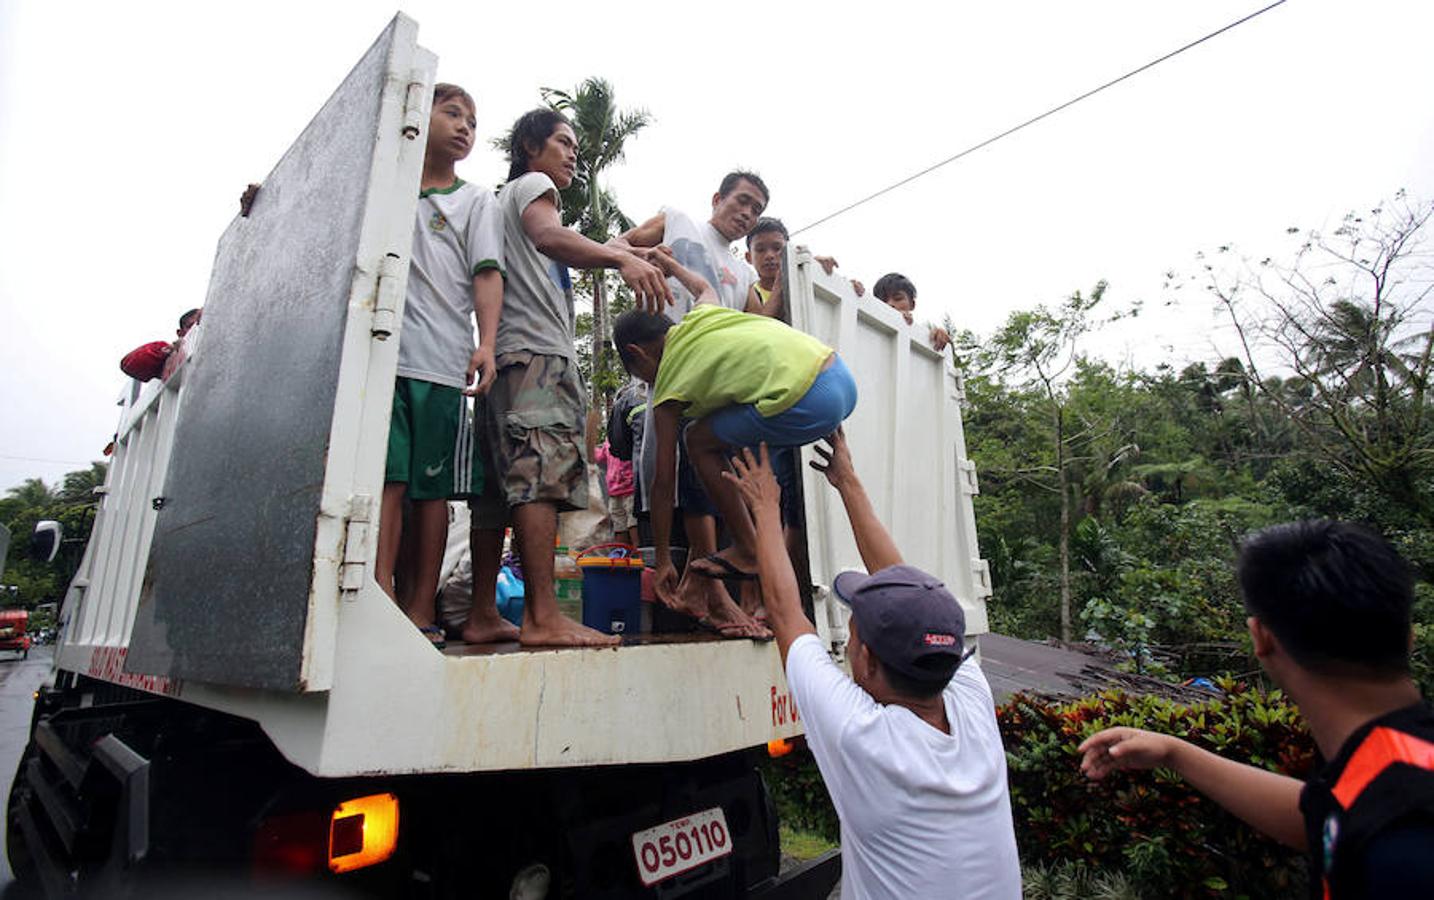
<point>803,803</point>
<point>1074,881</point>
<point>1166,839</point>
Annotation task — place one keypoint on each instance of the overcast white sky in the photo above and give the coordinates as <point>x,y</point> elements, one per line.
<point>127,131</point>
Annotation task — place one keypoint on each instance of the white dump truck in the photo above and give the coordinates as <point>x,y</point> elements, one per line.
<point>236,701</point>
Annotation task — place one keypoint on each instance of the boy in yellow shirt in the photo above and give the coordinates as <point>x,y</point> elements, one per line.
<point>745,380</point>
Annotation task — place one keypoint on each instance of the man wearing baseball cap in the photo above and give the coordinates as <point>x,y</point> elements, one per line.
<point>907,744</point>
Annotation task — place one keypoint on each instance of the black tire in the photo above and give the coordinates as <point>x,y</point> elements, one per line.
<point>22,864</point>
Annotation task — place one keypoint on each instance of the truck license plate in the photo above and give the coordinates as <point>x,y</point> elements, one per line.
<point>681,845</point>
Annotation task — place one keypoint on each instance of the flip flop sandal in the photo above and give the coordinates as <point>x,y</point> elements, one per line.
<point>732,571</point>
<point>435,636</point>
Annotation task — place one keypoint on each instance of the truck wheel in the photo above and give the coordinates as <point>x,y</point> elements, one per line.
<point>22,864</point>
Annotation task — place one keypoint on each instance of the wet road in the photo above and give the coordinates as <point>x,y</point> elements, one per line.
<point>18,680</point>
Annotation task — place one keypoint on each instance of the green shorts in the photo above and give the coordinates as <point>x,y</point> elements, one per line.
<point>532,425</point>
<point>432,442</point>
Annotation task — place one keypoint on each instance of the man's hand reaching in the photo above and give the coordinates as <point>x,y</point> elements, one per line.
<point>835,462</point>
<point>654,255</point>
<point>649,287</point>
<point>1125,748</point>
<point>752,475</point>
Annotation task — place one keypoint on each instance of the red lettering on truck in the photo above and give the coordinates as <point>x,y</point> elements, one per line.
<point>107,664</point>
<point>784,708</point>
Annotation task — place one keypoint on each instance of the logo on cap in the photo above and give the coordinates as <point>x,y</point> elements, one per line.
<point>939,640</point>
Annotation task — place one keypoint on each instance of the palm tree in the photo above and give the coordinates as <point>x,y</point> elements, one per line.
<point>80,485</point>
<point>602,131</point>
<point>33,493</point>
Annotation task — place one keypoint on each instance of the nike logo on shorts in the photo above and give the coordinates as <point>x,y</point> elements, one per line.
<point>433,471</point>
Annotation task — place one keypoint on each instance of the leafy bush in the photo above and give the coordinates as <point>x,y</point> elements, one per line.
<point>1164,837</point>
<point>1074,881</point>
<point>800,794</point>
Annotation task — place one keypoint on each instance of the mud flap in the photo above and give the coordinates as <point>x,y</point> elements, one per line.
<point>814,879</point>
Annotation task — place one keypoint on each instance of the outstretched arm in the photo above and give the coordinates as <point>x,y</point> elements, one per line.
<point>695,284</point>
<point>1267,801</point>
<point>873,541</point>
<point>648,234</point>
<point>753,478</point>
<point>664,494</point>
<point>544,227</point>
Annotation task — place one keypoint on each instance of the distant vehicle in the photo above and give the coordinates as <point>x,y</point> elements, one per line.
<point>12,631</point>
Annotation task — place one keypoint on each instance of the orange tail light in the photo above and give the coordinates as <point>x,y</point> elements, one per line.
<point>363,832</point>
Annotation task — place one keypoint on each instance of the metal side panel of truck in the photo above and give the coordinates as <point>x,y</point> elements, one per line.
<point>229,668</point>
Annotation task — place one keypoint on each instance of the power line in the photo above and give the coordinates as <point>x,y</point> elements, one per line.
<point>41,459</point>
<point>1031,121</point>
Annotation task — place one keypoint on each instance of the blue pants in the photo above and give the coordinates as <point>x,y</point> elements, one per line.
<point>824,406</point>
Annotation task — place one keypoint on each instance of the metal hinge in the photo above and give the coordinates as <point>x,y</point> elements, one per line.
<point>958,386</point>
<point>967,475</point>
<point>981,572</point>
<point>413,110</point>
<point>386,296</point>
<point>351,574</point>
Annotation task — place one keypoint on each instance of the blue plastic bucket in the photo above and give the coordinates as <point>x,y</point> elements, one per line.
<point>612,594</point>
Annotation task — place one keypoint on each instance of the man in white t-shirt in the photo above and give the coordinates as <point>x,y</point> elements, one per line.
<point>907,744</point>
<point>706,248</point>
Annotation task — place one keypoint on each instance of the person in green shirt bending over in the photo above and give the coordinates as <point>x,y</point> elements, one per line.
<point>742,380</point>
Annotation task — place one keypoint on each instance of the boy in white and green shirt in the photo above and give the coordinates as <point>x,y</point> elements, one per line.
<point>455,271</point>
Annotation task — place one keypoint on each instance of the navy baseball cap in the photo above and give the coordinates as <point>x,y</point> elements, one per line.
<point>908,619</point>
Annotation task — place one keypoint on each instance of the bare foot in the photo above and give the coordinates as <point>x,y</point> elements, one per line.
<point>564,632</point>
<point>727,618</point>
<point>490,629</point>
<point>691,597</point>
<point>752,600</point>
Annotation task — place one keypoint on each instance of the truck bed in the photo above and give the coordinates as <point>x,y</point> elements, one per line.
<point>231,561</point>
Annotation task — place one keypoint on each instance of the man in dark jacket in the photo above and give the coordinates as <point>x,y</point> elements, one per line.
<point>1329,607</point>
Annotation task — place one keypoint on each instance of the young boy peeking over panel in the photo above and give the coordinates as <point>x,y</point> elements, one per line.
<point>744,380</point>
<point>766,246</point>
<point>897,292</point>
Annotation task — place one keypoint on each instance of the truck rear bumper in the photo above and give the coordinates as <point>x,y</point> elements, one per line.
<point>814,879</point>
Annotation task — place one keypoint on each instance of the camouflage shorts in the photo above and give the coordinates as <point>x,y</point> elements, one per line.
<point>532,420</point>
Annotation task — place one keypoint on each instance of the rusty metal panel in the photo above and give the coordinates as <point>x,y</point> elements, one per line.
<point>226,597</point>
